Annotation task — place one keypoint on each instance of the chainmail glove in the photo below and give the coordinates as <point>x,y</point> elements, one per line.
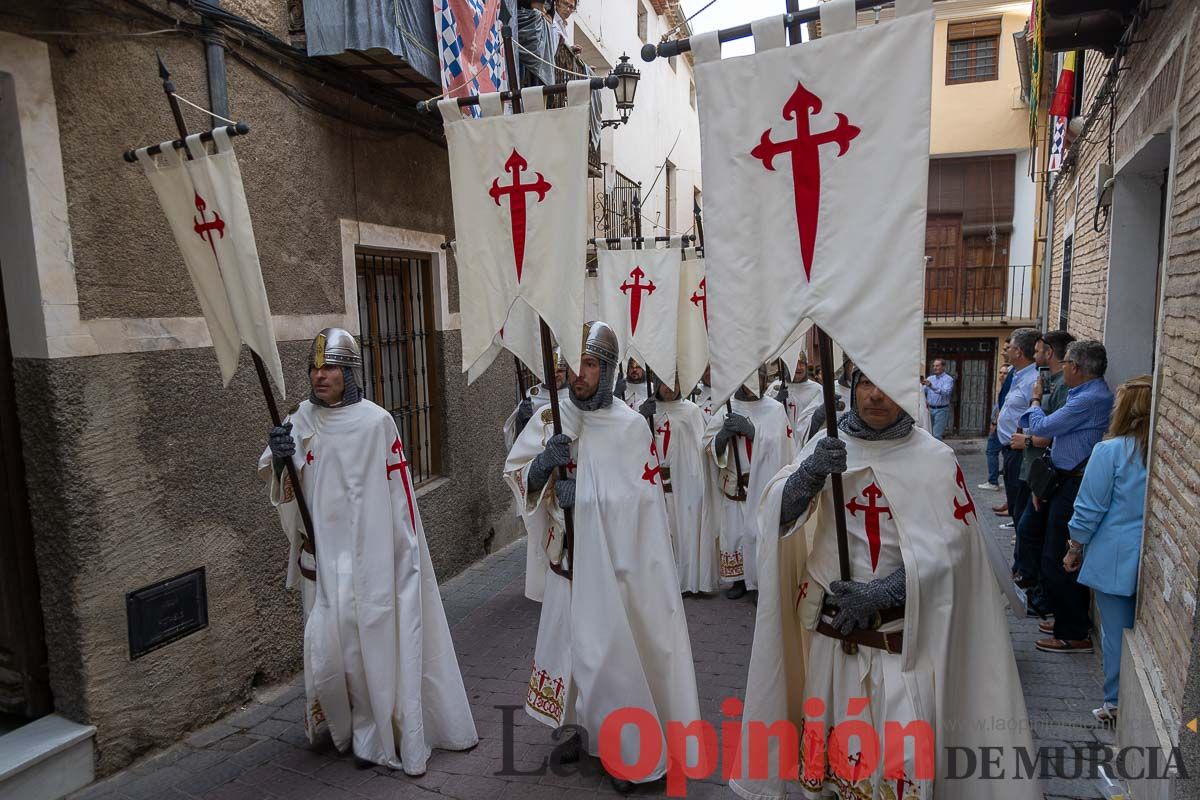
<point>556,454</point>
<point>282,445</point>
<point>741,425</point>
<point>858,602</point>
<point>804,484</point>
<point>782,394</point>
<point>619,389</point>
<point>648,408</point>
<point>524,413</point>
<point>564,492</point>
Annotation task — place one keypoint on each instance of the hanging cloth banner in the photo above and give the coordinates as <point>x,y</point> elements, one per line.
<point>692,328</point>
<point>519,183</point>
<point>521,336</point>
<point>639,291</point>
<point>821,151</point>
<point>206,207</point>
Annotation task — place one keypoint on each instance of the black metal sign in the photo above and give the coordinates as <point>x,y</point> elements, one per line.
<point>166,611</point>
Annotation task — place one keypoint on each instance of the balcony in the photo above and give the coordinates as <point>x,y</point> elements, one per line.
<point>992,295</point>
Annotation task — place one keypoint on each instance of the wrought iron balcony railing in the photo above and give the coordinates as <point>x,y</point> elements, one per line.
<point>970,293</point>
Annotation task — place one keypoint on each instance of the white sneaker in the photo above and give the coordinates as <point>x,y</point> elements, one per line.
<point>991,487</point>
<point>1007,526</point>
<point>1105,714</point>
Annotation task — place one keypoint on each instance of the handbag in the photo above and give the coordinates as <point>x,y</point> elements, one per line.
<point>1044,478</point>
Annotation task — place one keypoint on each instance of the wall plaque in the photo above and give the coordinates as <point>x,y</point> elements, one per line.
<point>163,612</point>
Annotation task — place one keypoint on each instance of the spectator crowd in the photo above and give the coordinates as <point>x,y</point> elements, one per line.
<point>1070,456</point>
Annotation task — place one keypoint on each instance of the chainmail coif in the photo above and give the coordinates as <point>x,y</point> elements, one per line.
<point>603,397</point>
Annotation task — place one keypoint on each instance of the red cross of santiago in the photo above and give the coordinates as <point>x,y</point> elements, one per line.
<point>516,192</point>
<point>701,300</point>
<point>204,228</point>
<point>871,512</point>
<point>398,449</point>
<point>635,291</point>
<point>806,162</point>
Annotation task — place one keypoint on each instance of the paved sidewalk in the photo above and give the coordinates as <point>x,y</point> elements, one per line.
<point>260,752</point>
<point>1060,690</point>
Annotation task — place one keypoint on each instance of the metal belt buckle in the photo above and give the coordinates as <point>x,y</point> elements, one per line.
<point>849,648</point>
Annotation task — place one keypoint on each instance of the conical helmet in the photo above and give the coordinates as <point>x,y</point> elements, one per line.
<point>600,340</point>
<point>337,347</point>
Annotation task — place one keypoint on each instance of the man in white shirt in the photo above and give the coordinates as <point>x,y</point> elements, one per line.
<point>1019,349</point>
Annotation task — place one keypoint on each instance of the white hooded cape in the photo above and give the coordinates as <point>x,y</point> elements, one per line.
<point>379,664</point>
<point>680,447</point>
<point>762,458</point>
<point>615,636</point>
<point>957,658</point>
<point>803,399</point>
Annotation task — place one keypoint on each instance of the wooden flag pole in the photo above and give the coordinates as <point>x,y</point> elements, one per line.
<point>514,85</point>
<point>259,367</point>
<point>825,348</point>
<point>637,245</point>
<point>737,458</point>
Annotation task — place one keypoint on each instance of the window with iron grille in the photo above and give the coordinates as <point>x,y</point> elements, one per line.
<point>973,51</point>
<point>395,308</point>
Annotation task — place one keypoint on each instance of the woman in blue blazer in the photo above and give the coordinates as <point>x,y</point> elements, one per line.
<point>1106,528</point>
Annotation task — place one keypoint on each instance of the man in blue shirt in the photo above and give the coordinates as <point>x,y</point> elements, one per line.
<point>993,443</point>
<point>938,388</point>
<point>1075,429</point>
<point>1019,351</point>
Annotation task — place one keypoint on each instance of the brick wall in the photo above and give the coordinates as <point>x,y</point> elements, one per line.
<point>1171,549</point>
<point>1172,537</point>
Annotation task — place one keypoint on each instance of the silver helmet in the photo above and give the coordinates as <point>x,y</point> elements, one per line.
<point>600,340</point>
<point>335,346</point>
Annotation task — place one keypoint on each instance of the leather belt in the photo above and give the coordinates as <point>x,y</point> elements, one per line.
<point>890,642</point>
<point>665,475</point>
<point>743,483</point>
<point>306,545</point>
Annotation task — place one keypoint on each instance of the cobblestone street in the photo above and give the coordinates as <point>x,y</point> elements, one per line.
<point>260,752</point>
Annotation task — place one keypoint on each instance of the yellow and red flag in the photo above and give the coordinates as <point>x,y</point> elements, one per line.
<point>1064,93</point>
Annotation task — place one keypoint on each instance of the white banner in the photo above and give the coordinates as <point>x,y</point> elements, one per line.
<point>205,205</point>
<point>519,186</point>
<point>692,330</point>
<point>638,298</point>
<point>821,153</point>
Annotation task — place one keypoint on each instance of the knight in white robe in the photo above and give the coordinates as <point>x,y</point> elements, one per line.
<point>634,388</point>
<point>743,451</point>
<point>703,399</point>
<point>679,433</point>
<point>612,632</point>
<point>921,607</point>
<point>380,672</point>
<point>536,397</point>
<point>799,395</point>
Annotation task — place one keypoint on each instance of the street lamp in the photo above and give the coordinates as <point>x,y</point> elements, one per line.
<point>627,83</point>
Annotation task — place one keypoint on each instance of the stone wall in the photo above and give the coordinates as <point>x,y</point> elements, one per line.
<point>140,465</point>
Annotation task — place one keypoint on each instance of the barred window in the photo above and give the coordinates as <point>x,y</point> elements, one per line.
<point>973,51</point>
<point>395,307</point>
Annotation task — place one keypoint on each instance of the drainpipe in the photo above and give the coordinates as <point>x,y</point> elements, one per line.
<point>214,57</point>
<point>1047,261</point>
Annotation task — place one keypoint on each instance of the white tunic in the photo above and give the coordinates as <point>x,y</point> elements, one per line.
<point>759,460</point>
<point>635,394</point>
<point>379,664</point>
<point>679,433</point>
<point>615,636</point>
<point>956,667</point>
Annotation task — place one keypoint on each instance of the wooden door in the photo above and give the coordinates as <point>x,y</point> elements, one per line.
<point>943,246</point>
<point>985,275</point>
<point>24,678</point>
<point>970,362</point>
